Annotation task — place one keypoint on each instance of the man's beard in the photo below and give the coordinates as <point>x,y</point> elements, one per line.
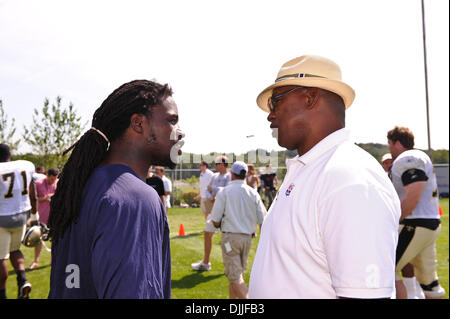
<point>169,160</point>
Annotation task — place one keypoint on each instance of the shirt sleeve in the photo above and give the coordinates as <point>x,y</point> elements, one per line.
<point>358,226</point>
<point>219,206</point>
<point>410,169</point>
<point>169,185</point>
<point>131,252</point>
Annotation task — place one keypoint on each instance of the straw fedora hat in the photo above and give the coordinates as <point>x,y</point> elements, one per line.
<point>310,71</point>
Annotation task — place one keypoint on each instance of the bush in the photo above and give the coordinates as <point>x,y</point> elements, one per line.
<point>177,196</point>
<point>189,197</point>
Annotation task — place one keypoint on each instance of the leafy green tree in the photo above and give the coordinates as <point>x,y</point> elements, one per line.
<point>439,157</point>
<point>7,130</point>
<point>55,128</point>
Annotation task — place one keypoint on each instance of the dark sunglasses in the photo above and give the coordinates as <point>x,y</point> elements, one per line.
<point>274,99</point>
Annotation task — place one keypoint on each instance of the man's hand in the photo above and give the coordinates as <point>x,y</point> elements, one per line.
<point>33,220</point>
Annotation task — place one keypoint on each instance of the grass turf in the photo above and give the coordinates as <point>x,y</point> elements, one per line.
<point>189,284</point>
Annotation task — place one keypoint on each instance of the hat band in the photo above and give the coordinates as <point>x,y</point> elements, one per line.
<point>297,75</point>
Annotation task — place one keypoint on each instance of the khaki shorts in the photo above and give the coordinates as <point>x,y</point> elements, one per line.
<point>206,205</point>
<point>10,240</point>
<point>235,249</point>
<point>420,251</point>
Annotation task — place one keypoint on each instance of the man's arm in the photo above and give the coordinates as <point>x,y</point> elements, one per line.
<point>32,195</point>
<point>163,200</point>
<point>218,209</point>
<point>413,192</point>
<point>209,189</point>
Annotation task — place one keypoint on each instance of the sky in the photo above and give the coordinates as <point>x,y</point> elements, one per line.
<point>218,56</point>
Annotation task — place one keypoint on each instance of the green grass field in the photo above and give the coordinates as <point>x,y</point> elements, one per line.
<point>189,284</point>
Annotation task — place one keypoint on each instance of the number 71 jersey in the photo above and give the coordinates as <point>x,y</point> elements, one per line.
<point>15,178</point>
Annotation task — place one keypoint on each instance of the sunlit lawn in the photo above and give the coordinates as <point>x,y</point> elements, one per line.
<point>186,283</point>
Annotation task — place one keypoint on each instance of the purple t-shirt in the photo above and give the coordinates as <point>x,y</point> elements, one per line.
<point>119,247</point>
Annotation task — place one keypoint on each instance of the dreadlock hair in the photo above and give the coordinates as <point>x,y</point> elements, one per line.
<point>112,118</point>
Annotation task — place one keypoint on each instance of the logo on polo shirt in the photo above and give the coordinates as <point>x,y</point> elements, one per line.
<point>289,189</point>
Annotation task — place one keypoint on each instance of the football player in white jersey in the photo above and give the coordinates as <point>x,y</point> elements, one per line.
<point>415,182</point>
<point>17,201</point>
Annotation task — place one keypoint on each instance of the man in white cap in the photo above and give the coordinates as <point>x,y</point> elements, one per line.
<point>331,232</point>
<point>237,210</point>
<point>386,161</point>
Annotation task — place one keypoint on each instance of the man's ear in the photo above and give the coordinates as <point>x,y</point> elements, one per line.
<point>136,123</point>
<point>312,96</point>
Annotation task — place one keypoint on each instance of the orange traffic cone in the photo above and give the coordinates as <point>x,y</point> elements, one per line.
<point>181,231</point>
<point>440,211</point>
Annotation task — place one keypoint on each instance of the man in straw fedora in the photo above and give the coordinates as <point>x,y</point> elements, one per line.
<point>331,232</point>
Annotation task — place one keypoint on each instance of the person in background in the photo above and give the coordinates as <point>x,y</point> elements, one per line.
<point>17,204</point>
<point>156,182</point>
<point>261,182</point>
<point>237,210</point>
<point>205,179</point>
<point>159,170</point>
<point>386,162</point>
<point>270,185</point>
<point>414,290</point>
<point>420,225</point>
<point>252,179</point>
<point>45,189</point>
<point>39,174</point>
<point>220,179</point>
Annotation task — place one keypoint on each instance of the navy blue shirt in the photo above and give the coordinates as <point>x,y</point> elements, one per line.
<point>119,247</point>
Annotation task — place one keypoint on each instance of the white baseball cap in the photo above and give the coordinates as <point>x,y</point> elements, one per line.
<point>238,167</point>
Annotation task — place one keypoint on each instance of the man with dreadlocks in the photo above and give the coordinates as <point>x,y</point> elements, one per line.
<point>110,233</point>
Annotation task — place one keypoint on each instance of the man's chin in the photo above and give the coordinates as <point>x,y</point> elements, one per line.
<point>287,146</point>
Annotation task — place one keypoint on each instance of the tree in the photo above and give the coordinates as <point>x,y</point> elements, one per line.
<point>54,129</point>
<point>440,157</point>
<point>7,130</point>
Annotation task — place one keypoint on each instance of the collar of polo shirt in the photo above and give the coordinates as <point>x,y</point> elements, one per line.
<point>322,147</point>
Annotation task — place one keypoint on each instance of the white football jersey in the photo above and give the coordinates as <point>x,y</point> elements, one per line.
<point>15,178</point>
<point>414,165</point>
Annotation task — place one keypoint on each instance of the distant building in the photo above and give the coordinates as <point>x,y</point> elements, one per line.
<point>441,171</point>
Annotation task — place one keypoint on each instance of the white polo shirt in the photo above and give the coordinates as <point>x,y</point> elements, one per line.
<point>332,230</point>
<point>205,179</point>
<point>239,207</point>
